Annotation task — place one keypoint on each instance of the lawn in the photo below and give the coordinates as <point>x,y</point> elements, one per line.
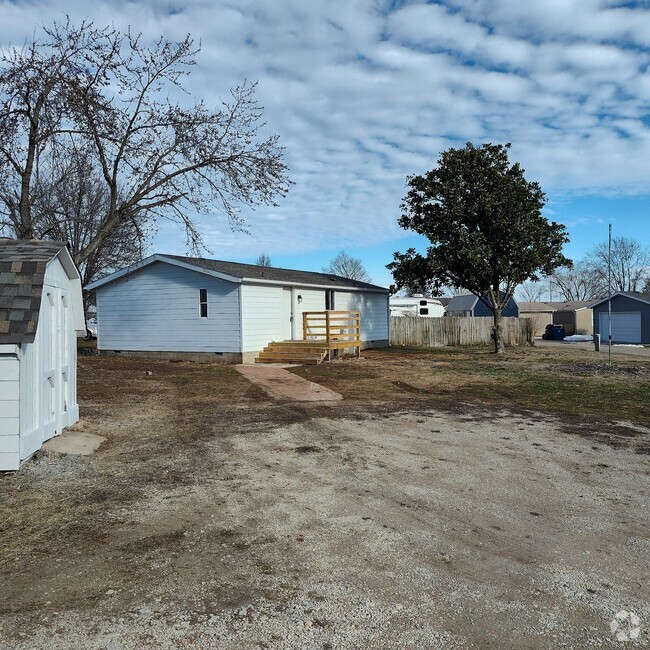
<point>571,383</point>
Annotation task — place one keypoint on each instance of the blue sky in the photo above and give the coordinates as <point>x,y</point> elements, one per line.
<point>364,93</point>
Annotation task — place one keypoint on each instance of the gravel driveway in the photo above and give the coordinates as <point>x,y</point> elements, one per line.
<point>371,530</point>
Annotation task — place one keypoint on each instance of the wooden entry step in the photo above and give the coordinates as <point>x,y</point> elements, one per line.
<point>303,352</point>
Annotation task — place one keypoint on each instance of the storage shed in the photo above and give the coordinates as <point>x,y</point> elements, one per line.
<point>41,311</point>
<point>574,315</point>
<point>630,318</point>
<point>174,306</point>
<point>468,304</point>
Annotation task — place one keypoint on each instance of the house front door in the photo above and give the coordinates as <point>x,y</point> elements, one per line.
<point>287,314</point>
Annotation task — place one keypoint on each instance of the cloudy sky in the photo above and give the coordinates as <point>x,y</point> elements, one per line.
<point>364,93</point>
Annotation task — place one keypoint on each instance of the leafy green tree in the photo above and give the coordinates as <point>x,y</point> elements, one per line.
<point>485,225</point>
<point>412,275</point>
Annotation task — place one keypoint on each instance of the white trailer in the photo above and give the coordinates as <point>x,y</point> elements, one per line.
<point>416,306</point>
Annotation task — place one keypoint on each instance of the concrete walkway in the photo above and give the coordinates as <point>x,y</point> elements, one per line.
<point>283,385</point>
<point>74,442</point>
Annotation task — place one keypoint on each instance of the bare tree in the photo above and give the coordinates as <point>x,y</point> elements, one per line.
<point>646,286</point>
<point>69,201</point>
<point>157,158</point>
<point>531,291</point>
<point>346,266</point>
<point>630,264</point>
<point>581,282</point>
<point>263,260</point>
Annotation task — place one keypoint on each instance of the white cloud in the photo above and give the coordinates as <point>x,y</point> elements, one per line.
<point>363,95</point>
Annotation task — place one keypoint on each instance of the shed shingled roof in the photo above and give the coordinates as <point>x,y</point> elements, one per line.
<point>22,272</point>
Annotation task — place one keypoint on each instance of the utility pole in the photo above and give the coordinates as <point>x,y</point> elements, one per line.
<point>609,296</point>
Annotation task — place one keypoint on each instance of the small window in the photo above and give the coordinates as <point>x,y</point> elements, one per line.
<point>203,303</point>
<point>423,303</point>
<point>424,311</point>
<point>329,299</point>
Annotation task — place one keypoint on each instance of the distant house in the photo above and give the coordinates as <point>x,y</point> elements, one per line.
<point>630,318</point>
<point>467,304</point>
<point>574,315</point>
<point>223,311</point>
<point>41,311</point>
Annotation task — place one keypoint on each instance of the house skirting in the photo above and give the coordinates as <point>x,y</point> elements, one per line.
<point>199,357</point>
<point>215,357</point>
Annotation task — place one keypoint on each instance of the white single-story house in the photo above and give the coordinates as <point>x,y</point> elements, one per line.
<point>41,311</point>
<point>174,306</point>
<point>630,318</point>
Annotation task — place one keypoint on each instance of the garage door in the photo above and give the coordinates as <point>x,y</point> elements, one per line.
<point>626,327</point>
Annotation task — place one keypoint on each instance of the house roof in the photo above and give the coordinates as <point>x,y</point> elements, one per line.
<point>462,302</point>
<point>634,295</point>
<point>553,306</point>
<point>22,272</point>
<point>237,272</point>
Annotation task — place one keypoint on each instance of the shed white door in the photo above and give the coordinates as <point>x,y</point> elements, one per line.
<point>50,364</point>
<point>626,327</point>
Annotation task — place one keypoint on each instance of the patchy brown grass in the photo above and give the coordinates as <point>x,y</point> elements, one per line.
<point>198,496</point>
<point>560,382</point>
<point>196,404</point>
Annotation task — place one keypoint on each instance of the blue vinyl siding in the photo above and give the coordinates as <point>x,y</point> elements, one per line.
<point>624,304</point>
<point>156,309</point>
<point>481,309</point>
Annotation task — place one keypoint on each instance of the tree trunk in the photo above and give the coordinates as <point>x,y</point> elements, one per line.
<point>497,332</point>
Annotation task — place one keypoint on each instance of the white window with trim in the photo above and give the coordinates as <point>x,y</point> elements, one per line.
<point>203,303</point>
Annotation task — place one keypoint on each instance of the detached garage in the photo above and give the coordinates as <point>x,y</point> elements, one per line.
<point>630,318</point>
<point>41,310</point>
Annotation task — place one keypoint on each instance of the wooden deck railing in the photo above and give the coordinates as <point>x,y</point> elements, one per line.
<point>338,330</point>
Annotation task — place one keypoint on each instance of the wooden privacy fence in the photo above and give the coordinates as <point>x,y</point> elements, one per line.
<point>453,330</point>
<point>338,330</point>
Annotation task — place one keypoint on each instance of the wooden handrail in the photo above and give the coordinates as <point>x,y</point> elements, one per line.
<point>338,329</point>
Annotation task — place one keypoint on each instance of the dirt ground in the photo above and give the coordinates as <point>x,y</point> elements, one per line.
<point>214,517</point>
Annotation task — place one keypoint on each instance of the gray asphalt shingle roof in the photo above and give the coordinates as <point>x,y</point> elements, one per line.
<point>22,271</point>
<point>567,305</point>
<point>463,302</point>
<point>255,272</point>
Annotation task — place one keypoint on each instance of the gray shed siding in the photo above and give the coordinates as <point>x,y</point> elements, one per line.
<point>624,304</point>
<point>156,309</point>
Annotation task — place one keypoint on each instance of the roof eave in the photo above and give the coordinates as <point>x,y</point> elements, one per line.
<point>157,257</point>
<point>625,294</point>
<point>307,285</point>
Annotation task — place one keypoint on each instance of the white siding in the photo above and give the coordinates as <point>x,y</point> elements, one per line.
<point>374,312</point>
<point>262,316</point>
<point>312,300</point>
<point>9,412</point>
<point>157,309</point>
<point>264,312</point>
